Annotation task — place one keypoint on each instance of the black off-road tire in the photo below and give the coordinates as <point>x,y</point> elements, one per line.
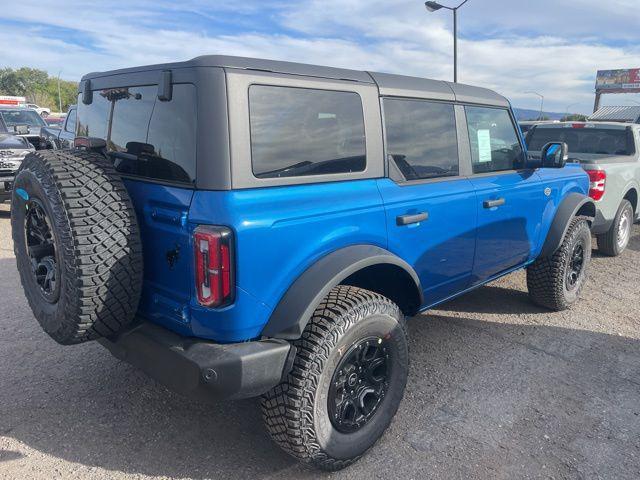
<point>547,277</point>
<point>609,242</point>
<point>296,412</point>
<point>96,257</point>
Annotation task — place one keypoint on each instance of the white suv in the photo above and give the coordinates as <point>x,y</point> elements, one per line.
<point>42,111</point>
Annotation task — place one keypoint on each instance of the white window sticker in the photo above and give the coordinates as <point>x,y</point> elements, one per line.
<point>484,146</point>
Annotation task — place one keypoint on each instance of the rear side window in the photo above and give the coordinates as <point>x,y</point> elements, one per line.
<point>494,142</point>
<point>70,124</point>
<point>421,138</point>
<point>145,137</point>
<point>300,132</point>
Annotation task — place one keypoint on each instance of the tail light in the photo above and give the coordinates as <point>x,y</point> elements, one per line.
<point>213,248</point>
<point>598,180</point>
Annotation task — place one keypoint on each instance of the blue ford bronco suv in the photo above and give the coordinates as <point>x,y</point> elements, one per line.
<point>239,227</point>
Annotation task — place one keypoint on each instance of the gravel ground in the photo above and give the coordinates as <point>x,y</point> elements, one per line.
<point>498,388</point>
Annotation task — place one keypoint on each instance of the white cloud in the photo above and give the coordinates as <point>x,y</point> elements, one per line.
<point>541,46</point>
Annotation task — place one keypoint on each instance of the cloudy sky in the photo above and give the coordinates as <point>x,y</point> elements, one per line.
<point>553,47</point>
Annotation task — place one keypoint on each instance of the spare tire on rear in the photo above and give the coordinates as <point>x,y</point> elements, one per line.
<point>77,244</point>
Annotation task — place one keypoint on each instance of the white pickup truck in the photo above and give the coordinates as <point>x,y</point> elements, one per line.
<point>610,153</point>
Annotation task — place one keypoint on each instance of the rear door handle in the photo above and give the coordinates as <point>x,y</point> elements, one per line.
<point>412,218</point>
<point>493,203</point>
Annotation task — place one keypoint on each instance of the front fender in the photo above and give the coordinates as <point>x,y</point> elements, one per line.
<point>572,205</point>
<point>294,310</point>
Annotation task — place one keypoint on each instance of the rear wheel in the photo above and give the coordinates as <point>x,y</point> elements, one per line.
<point>615,241</point>
<point>555,282</point>
<point>77,244</point>
<point>347,381</point>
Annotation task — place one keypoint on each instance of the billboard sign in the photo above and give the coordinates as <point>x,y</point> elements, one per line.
<point>618,81</point>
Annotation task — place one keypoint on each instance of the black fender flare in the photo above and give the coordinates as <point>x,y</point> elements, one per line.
<point>572,205</point>
<point>297,305</point>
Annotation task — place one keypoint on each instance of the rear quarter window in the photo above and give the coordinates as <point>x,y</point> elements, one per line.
<point>145,137</point>
<point>301,132</point>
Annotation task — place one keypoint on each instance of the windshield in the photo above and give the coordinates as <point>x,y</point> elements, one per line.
<point>589,140</point>
<point>22,117</point>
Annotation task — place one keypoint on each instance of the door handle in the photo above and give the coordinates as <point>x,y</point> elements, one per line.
<point>494,203</point>
<point>412,218</point>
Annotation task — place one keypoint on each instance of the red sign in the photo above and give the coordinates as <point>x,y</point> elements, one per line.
<point>11,100</point>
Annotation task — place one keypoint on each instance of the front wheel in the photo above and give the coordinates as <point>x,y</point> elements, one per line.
<point>555,282</point>
<point>347,381</point>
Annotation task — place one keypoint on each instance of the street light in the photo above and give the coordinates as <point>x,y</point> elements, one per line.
<point>541,102</point>
<point>59,96</point>
<point>435,6</point>
<point>568,107</point>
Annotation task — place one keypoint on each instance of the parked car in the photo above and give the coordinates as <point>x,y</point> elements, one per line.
<point>52,121</point>
<point>62,136</point>
<point>610,153</point>
<point>42,111</point>
<point>13,149</point>
<point>25,122</point>
<point>240,227</point>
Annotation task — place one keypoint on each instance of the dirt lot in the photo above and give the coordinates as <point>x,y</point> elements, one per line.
<point>498,389</point>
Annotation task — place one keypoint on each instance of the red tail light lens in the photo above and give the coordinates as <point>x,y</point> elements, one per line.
<point>598,180</point>
<point>213,248</point>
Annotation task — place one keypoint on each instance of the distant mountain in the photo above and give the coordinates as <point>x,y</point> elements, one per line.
<point>527,114</point>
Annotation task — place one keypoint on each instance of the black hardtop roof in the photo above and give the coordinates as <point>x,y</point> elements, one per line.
<point>388,84</point>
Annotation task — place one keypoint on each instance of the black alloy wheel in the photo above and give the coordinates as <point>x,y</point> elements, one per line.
<point>41,247</point>
<point>358,385</point>
<point>575,266</point>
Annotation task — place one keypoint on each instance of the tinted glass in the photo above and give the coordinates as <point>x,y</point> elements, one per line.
<point>17,116</point>
<point>70,125</point>
<point>146,137</point>
<point>93,119</point>
<point>494,141</point>
<point>421,138</point>
<point>602,141</point>
<point>298,132</point>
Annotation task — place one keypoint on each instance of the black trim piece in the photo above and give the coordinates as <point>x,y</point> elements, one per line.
<point>87,92</point>
<point>567,210</point>
<point>201,369</point>
<point>295,308</point>
<point>165,89</point>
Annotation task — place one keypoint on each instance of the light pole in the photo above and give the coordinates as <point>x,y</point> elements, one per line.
<point>541,103</point>
<point>568,107</point>
<point>434,6</point>
<point>59,96</point>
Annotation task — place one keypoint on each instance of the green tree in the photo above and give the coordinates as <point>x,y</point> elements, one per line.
<point>38,87</point>
<point>574,117</point>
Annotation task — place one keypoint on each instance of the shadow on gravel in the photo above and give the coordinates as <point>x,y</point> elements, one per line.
<point>493,299</point>
<point>483,398</point>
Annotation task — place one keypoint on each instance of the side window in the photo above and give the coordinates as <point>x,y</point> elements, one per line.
<point>70,124</point>
<point>132,109</point>
<point>145,137</point>
<point>494,142</point>
<point>300,132</point>
<point>421,138</point>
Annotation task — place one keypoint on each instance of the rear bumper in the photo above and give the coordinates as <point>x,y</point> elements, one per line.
<point>202,369</point>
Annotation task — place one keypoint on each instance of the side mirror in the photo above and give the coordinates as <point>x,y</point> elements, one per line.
<point>554,155</point>
<point>21,129</point>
